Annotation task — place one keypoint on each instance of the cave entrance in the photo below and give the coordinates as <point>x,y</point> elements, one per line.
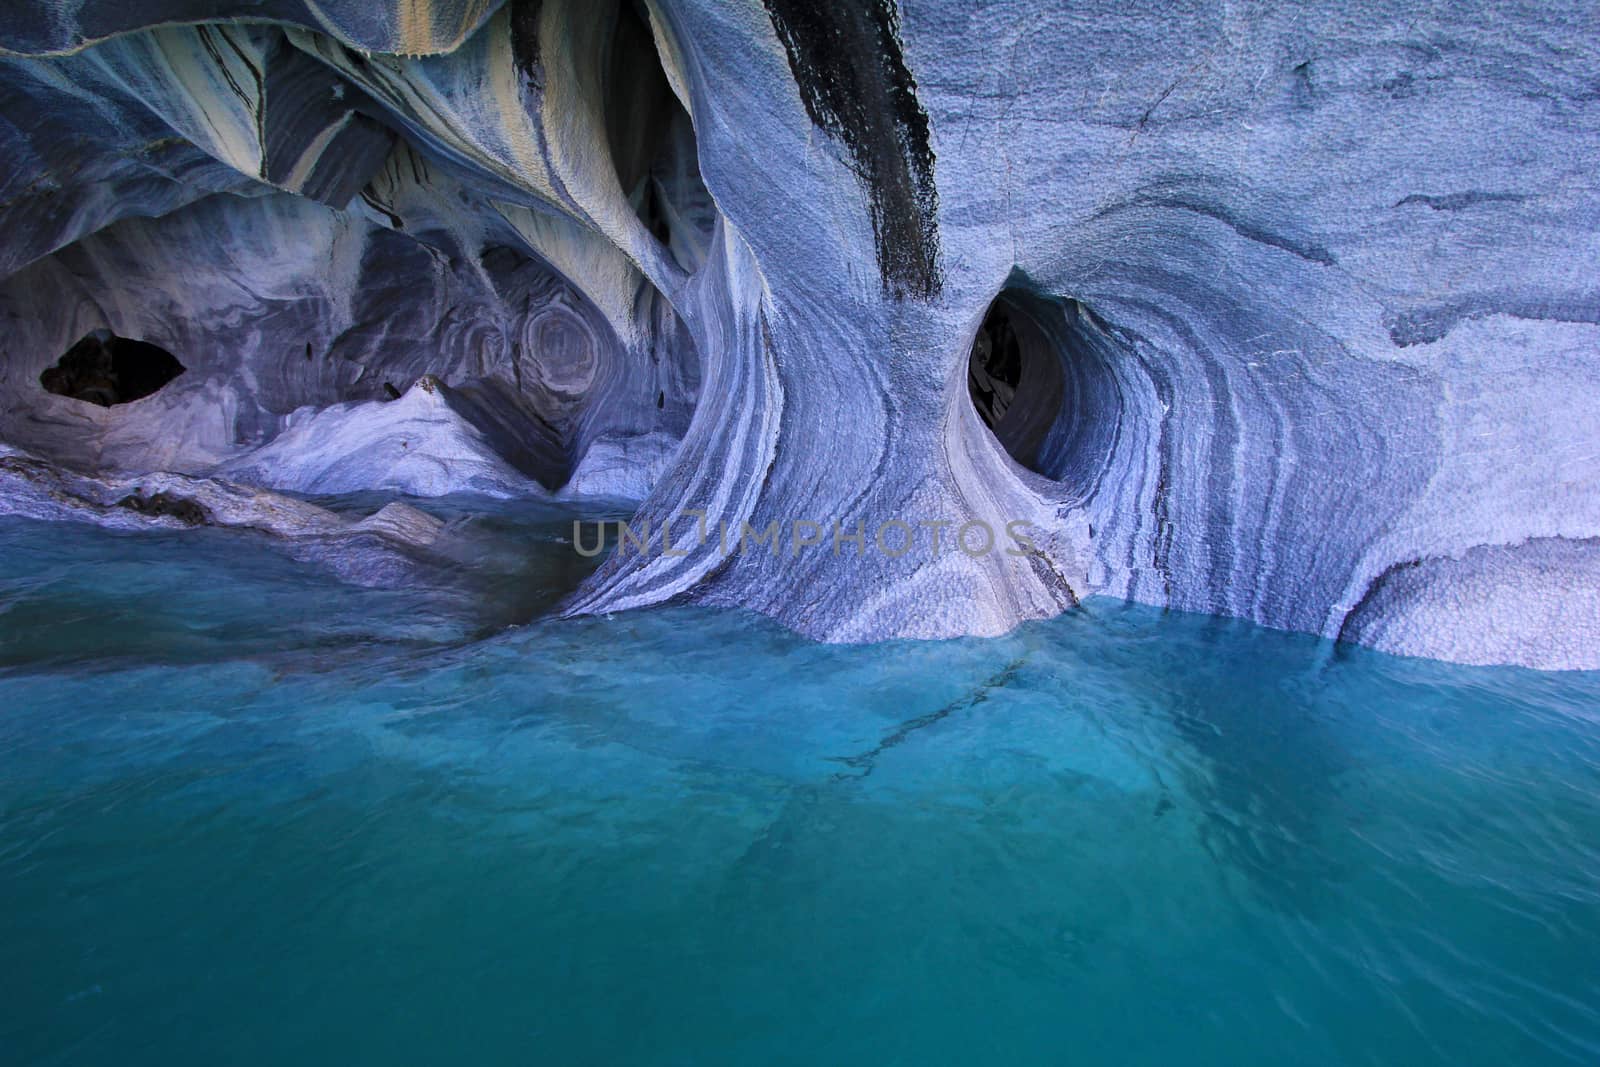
<point>652,142</point>
<point>1041,375</point>
<point>1015,376</point>
<point>994,369</point>
<point>102,368</point>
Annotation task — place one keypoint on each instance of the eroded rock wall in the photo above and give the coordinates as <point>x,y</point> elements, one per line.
<point>1307,294</point>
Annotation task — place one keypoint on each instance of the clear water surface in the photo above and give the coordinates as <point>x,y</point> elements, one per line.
<point>251,816</point>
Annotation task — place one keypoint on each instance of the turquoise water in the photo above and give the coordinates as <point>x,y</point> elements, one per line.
<point>249,816</point>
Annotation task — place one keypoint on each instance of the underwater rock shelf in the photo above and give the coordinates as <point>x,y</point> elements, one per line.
<point>1289,315</point>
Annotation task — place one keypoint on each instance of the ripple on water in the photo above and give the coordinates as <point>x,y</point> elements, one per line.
<point>247,814</point>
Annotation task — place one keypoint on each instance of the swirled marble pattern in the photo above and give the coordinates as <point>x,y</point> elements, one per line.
<point>1306,297</point>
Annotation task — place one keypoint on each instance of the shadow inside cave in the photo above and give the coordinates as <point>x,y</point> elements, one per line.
<point>104,369</point>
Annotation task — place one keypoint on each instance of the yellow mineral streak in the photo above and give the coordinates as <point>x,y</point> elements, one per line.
<point>416,30</point>
<point>575,125</point>
<point>415,27</point>
<point>201,66</point>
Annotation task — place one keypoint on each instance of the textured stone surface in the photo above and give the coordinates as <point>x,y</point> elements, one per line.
<point>390,547</point>
<point>1308,294</point>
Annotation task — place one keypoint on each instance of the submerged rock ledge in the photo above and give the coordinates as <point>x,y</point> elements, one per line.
<point>1290,315</point>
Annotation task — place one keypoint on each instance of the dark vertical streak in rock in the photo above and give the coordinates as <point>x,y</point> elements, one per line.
<point>1222,457</point>
<point>525,42</point>
<point>259,75</point>
<point>259,108</point>
<point>847,60</point>
<point>377,205</point>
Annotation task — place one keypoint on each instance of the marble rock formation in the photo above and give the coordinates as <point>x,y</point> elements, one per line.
<point>1284,312</point>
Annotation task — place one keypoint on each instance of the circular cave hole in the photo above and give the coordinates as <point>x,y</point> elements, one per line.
<point>105,369</point>
<point>1041,377</point>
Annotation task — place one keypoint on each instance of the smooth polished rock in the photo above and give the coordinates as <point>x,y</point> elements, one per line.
<point>1302,297</point>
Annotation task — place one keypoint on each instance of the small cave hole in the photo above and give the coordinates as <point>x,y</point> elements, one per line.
<point>105,369</point>
<point>1023,378</point>
<point>1041,375</point>
<point>994,369</point>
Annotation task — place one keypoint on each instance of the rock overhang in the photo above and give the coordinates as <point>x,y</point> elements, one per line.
<point>1266,270</point>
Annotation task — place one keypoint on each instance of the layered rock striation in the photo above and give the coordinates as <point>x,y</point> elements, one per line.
<point>1289,315</point>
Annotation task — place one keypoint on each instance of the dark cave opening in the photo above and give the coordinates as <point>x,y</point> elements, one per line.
<point>638,98</point>
<point>1041,375</point>
<point>994,368</point>
<point>652,141</point>
<point>1016,375</point>
<point>102,368</point>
